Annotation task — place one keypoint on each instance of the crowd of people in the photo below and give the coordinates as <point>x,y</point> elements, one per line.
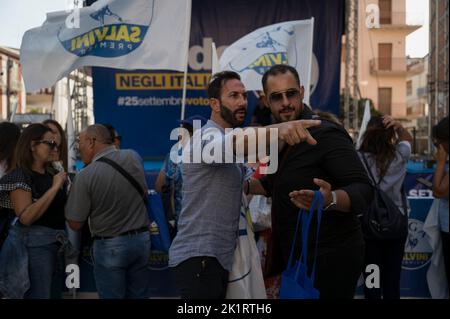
<point>109,195</point>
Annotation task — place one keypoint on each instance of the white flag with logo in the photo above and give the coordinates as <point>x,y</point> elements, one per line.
<point>365,121</point>
<point>288,42</point>
<point>132,34</point>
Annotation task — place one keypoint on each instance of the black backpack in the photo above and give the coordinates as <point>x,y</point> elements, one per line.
<point>383,219</point>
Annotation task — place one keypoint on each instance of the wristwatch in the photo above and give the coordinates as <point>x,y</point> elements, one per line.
<point>333,203</point>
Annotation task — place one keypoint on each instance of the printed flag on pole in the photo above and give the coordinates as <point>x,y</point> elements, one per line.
<point>288,42</point>
<point>132,34</point>
<point>365,121</point>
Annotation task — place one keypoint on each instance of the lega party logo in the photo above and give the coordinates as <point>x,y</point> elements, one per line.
<point>417,250</point>
<point>272,47</point>
<point>109,31</point>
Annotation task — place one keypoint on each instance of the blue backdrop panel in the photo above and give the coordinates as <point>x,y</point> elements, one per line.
<point>417,257</point>
<point>145,105</point>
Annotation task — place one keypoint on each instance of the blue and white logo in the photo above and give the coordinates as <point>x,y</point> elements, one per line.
<point>110,31</point>
<point>268,48</point>
<point>104,12</point>
<point>417,250</point>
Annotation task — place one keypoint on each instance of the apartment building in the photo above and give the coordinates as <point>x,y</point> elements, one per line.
<point>417,102</point>
<point>417,88</point>
<point>12,89</point>
<point>382,62</point>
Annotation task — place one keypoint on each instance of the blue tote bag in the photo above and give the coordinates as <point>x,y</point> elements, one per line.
<point>159,229</point>
<point>295,282</point>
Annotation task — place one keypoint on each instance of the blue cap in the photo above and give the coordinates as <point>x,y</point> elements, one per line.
<point>190,120</point>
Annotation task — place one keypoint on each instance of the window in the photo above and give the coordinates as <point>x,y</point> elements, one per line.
<point>385,56</point>
<point>409,87</point>
<point>385,11</point>
<point>385,100</point>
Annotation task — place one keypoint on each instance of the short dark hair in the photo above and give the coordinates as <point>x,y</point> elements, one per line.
<point>218,80</point>
<point>24,156</point>
<point>9,135</point>
<point>440,130</point>
<point>279,69</point>
<point>100,132</point>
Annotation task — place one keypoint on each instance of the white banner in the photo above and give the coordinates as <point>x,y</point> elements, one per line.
<point>365,121</point>
<point>132,34</point>
<point>288,42</point>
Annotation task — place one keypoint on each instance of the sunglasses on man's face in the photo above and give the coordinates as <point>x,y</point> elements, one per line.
<point>290,94</point>
<point>52,144</point>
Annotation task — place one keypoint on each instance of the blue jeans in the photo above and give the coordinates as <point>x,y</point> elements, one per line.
<point>120,266</point>
<point>42,269</point>
<point>28,262</point>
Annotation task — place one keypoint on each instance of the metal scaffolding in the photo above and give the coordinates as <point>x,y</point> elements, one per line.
<point>351,93</point>
<point>79,99</point>
<point>438,98</point>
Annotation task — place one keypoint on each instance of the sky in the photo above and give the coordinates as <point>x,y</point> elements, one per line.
<point>17,16</point>
<point>417,42</point>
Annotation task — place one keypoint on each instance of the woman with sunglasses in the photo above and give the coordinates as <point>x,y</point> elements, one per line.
<point>60,138</point>
<point>38,199</point>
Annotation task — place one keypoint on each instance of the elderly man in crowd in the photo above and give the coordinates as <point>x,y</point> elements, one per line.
<point>111,192</point>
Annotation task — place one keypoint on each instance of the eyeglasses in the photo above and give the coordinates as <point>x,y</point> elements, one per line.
<point>290,94</point>
<point>52,144</point>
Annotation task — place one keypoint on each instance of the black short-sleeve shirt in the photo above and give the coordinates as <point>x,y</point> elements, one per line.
<point>38,184</point>
<point>334,160</point>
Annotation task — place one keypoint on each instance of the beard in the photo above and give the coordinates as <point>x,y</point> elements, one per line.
<point>287,114</point>
<point>232,117</point>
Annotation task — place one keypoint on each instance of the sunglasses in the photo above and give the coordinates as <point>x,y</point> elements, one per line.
<point>51,144</point>
<point>290,94</point>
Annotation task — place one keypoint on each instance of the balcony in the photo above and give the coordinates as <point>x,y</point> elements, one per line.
<point>422,91</point>
<point>415,109</point>
<point>388,66</point>
<point>415,67</point>
<point>401,20</point>
<point>397,110</point>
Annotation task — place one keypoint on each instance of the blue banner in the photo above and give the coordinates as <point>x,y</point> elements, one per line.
<point>144,106</point>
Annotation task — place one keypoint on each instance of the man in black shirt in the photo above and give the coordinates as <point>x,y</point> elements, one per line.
<point>333,167</point>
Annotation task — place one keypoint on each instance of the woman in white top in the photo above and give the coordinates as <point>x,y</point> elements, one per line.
<point>387,147</point>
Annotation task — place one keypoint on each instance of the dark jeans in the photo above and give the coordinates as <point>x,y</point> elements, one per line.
<point>42,270</point>
<point>446,251</point>
<point>338,271</point>
<point>201,278</point>
<point>121,266</point>
<point>388,256</point>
